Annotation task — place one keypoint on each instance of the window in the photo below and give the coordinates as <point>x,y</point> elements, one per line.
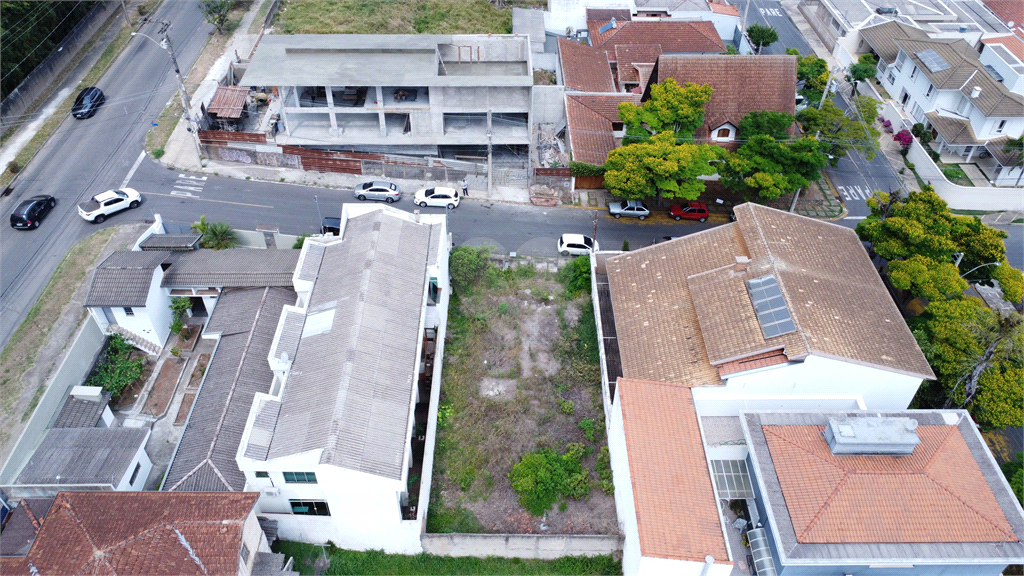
<point>128,311</point>
<point>931,88</point>
<point>244,553</point>
<point>135,474</point>
<point>892,79</point>
<point>1002,125</point>
<point>262,475</point>
<point>723,132</point>
<point>310,507</point>
<point>964,107</point>
<point>300,477</point>
<point>900,60</point>
<point>913,73</point>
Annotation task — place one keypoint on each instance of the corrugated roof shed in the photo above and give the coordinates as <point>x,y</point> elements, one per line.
<point>123,278</point>
<point>238,268</point>
<point>69,456</point>
<point>228,101</point>
<point>205,458</point>
<point>364,312</point>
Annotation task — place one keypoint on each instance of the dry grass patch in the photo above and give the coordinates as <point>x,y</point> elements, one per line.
<point>392,17</point>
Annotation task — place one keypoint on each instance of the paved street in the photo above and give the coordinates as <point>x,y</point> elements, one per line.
<point>770,13</point>
<point>84,157</point>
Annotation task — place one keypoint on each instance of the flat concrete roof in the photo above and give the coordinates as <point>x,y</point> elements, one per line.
<point>388,60</point>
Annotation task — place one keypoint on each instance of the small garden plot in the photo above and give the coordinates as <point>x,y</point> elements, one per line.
<point>521,443</point>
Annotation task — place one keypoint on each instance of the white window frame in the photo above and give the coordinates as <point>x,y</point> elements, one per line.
<point>900,59</point>
<point>1001,126</point>
<point>913,73</point>
<point>892,79</point>
<point>931,89</point>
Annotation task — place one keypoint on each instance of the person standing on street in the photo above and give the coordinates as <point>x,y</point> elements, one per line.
<point>465,187</point>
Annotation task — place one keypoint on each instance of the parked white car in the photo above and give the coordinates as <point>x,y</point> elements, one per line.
<point>576,245</point>
<point>437,196</point>
<point>97,208</point>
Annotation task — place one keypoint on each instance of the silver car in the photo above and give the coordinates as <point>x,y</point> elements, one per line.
<point>378,190</point>
<point>634,208</point>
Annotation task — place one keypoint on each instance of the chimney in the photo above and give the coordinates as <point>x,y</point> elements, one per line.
<point>741,264</point>
<point>416,213</point>
<point>976,92</point>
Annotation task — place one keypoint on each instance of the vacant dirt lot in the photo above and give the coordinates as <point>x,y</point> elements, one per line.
<point>517,354</point>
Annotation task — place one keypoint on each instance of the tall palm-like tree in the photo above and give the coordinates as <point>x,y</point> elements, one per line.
<point>1015,147</point>
<point>219,236</point>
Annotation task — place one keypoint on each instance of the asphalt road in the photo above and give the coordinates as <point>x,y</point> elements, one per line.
<point>85,157</point>
<point>770,13</point>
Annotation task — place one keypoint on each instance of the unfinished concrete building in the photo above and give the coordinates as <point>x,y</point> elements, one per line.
<point>438,95</point>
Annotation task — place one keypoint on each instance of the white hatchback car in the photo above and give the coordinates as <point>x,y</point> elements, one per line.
<point>576,245</point>
<point>437,196</point>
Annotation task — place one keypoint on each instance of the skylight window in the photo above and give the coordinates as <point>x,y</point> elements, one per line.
<point>770,307</point>
<point>932,60</point>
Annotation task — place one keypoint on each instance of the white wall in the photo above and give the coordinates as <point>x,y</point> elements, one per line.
<point>662,566</point>
<point>967,197</point>
<point>562,13</point>
<point>255,540</point>
<point>1013,80</point>
<point>141,458</point>
<point>625,507</point>
<point>817,383</point>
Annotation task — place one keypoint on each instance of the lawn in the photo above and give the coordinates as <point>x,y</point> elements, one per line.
<point>392,17</point>
<point>521,374</point>
<point>377,562</point>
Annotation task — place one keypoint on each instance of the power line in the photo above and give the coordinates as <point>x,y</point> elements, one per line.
<point>47,37</point>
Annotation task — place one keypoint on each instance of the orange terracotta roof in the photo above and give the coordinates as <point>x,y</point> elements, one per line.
<point>936,494</point>
<point>1012,43</point>
<point>773,358</point>
<point>1009,11</point>
<point>589,118</point>
<point>674,36</point>
<point>584,68</point>
<point>726,9</point>
<point>139,533</point>
<point>666,463</point>
<point>629,56</point>
<point>741,84</point>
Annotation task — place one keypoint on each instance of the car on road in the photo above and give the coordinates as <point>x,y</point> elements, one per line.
<point>689,211</point>
<point>437,196</point>
<point>576,245</point>
<point>331,225</point>
<point>88,102</point>
<point>31,211</point>
<point>97,208</point>
<point>378,190</point>
<point>633,208</point>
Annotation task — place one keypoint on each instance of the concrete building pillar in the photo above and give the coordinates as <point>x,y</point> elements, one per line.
<point>330,112</point>
<point>383,124</point>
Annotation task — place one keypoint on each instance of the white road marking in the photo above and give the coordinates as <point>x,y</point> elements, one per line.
<point>855,218</point>
<point>134,168</point>
<point>188,177</point>
<point>185,194</point>
<point>770,12</point>
<point>188,195</point>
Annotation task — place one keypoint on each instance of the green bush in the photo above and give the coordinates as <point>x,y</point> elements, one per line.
<point>953,172</point>
<point>299,242</point>
<point>587,425</point>
<point>604,465</point>
<point>465,265</point>
<point>934,155</point>
<point>567,407</point>
<point>584,169</point>
<point>575,276</point>
<point>917,129</point>
<point>540,477</point>
<point>117,370</point>
<point>625,244</point>
<point>607,486</point>
<point>925,138</point>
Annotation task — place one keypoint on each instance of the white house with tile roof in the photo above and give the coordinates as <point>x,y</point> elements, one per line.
<point>341,448</point>
<point>772,312</point>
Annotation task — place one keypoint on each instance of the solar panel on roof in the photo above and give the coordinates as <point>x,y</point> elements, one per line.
<point>770,307</point>
<point>932,60</point>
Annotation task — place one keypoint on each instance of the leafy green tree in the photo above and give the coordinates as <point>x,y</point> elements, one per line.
<point>219,236</point>
<point>765,168</point>
<point>465,265</point>
<point>865,68</point>
<point>768,122</point>
<point>660,166</point>
<point>671,108</point>
<point>30,32</point>
<point>1014,472</point>
<point>813,72</point>
<point>216,12</point>
<point>762,35</point>
<point>926,278</point>
<point>1011,282</point>
<point>838,132</point>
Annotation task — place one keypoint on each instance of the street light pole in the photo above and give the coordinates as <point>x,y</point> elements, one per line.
<point>186,103</point>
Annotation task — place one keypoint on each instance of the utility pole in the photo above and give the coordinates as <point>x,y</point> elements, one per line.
<point>185,102</point>
<point>124,8</point>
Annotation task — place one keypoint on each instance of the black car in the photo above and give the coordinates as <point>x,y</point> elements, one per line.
<point>30,212</point>
<point>88,102</point>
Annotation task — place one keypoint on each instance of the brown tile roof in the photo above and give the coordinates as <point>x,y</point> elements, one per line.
<point>726,9</point>
<point>144,533</point>
<point>229,101</point>
<point>589,118</point>
<point>995,148</point>
<point>671,330</point>
<point>584,68</point>
<point>953,130</point>
<point>666,463</point>
<point>773,358</point>
<point>628,56</point>
<point>882,38</point>
<point>1012,43</point>
<point>741,84</point>
<point>674,36</point>
<point>936,494</point>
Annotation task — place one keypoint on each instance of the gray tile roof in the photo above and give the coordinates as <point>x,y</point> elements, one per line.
<point>83,456</point>
<point>238,268</point>
<point>882,38</point>
<point>311,262</point>
<point>81,413</point>
<point>123,279</point>
<point>364,313</point>
<point>23,525</point>
<point>262,430</point>
<point>291,332</point>
<point>174,242</point>
<point>205,458</point>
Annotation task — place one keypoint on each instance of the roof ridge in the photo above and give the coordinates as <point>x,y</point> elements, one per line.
<point>821,511</point>
<point>1010,536</point>
<point>70,510</point>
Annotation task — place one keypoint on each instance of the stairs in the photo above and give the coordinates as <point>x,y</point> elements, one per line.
<point>135,340</point>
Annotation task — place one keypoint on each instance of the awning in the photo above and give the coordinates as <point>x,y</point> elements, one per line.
<point>229,101</point>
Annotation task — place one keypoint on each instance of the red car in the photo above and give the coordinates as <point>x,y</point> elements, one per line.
<point>690,211</point>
